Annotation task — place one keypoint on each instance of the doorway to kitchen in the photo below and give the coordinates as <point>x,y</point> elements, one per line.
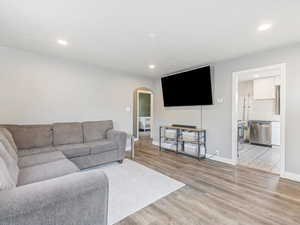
<point>143,115</point>
<point>258,118</point>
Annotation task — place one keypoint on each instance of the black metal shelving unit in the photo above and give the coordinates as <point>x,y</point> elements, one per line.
<point>179,141</point>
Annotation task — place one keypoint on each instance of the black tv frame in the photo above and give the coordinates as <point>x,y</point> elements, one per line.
<point>191,69</point>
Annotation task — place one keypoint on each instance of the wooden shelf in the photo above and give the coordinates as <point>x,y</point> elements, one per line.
<point>183,128</point>
<point>179,141</point>
<point>192,142</point>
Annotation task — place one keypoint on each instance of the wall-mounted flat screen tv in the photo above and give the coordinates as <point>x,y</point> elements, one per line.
<point>188,88</point>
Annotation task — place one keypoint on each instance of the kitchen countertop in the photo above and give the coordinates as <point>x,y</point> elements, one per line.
<point>261,121</point>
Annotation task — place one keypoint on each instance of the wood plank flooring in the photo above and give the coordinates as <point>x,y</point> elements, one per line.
<point>216,194</point>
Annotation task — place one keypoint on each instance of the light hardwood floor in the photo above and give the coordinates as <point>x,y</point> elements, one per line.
<point>216,194</point>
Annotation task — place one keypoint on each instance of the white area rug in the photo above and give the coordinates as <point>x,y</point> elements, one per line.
<point>133,186</point>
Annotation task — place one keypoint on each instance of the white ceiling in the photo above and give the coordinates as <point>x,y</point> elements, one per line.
<point>115,33</point>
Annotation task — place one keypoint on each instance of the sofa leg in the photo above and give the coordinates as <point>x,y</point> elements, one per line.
<point>120,161</point>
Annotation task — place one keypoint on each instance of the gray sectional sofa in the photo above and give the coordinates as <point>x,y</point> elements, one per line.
<point>40,182</point>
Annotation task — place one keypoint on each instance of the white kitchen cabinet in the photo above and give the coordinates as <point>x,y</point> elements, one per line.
<point>275,133</point>
<point>264,89</point>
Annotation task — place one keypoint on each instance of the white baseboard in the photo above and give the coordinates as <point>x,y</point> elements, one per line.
<point>210,156</point>
<point>286,175</point>
<point>220,159</point>
<point>291,176</point>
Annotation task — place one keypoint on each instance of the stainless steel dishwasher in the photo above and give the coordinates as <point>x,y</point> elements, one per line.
<point>261,132</point>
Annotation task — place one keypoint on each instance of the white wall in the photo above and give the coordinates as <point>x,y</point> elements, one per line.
<point>217,118</point>
<point>41,89</point>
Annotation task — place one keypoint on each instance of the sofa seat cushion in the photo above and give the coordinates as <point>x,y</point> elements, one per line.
<point>96,130</point>
<point>46,171</point>
<point>102,146</point>
<point>67,133</point>
<point>41,158</point>
<point>74,150</point>
<point>32,151</point>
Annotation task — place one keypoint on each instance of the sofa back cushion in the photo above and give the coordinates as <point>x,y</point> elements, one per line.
<point>8,142</point>
<point>96,130</point>
<point>6,181</point>
<point>67,133</point>
<point>11,164</point>
<point>31,136</point>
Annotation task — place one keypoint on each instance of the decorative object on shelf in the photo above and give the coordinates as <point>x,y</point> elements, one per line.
<point>179,137</point>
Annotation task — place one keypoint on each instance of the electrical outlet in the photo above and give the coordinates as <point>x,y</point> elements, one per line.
<point>217,152</point>
<point>220,100</point>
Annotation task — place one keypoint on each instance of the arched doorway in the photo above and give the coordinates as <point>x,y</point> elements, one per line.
<point>143,112</point>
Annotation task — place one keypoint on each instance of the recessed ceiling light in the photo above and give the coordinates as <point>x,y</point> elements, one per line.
<point>151,66</point>
<point>265,26</point>
<point>152,35</point>
<point>256,76</point>
<point>62,42</point>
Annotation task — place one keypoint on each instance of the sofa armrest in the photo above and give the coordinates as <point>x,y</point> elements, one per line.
<point>120,138</point>
<point>75,199</point>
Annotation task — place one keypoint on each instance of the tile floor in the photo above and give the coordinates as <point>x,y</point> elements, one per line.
<point>260,157</point>
<point>144,133</point>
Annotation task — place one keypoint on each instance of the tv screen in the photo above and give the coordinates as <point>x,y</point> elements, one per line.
<point>188,88</point>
